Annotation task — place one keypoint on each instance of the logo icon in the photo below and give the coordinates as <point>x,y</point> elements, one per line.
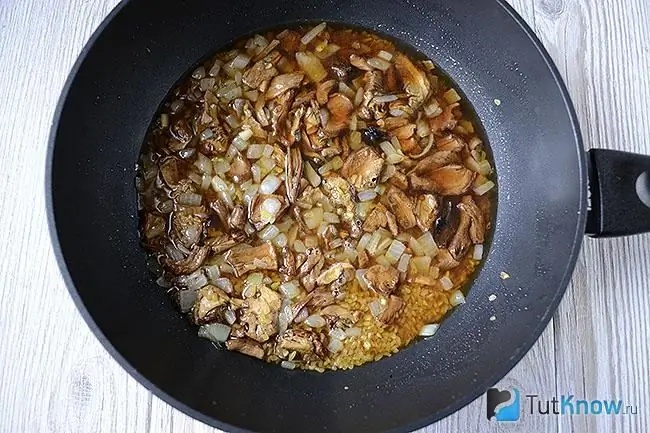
<point>503,405</point>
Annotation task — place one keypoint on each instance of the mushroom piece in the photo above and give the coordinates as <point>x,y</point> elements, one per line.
<point>170,171</point>
<point>283,83</point>
<point>258,73</point>
<point>209,301</point>
<point>340,194</point>
<point>246,346</point>
<point>288,268</point>
<point>382,279</point>
<point>265,209</point>
<point>187,225</point>
<point>392,224</point>
<point>180,129</point>
<point>190,263</point>
<point>293,173</point>
<point>237,219</point>
<point>426,211</point>
<point>313,256</point>
<point>392,311</point>
<point>360,63</point>
<point>279,109</point>
<point>261,315</point>
<point>402,207</point>
<point>296,340</point>
<point>216,144</point>
<point>362,168</point>
<point>450,143</point>
<point>153,226</point>
<point>220,243</point>
<point>447,180</point>
<point>443,121</point>
<point>340,108</point>
<point>240,168</point>
<point>445,261</point>
<point>460,243</point>
<point>321,297</point>
<point>335,272</point>
<point>416,84</point>
<point>477,225</point>
<point>247,259</point>
<point>323,90</point>
<point>375,219</point>
<point>309,280</point>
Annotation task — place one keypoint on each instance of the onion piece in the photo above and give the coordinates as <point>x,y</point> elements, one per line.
<point>311,175</point>
<point>451,96</point>
<point>240,62</point>
<point>376,307</point>
<point>403,264</point>
<point>212,272</point>
<point>385,55</point>
<point>268,233</point>
<point>360,275</point>
<point>338,334</point>
<point>428,244</point>
<point>280,240</point>
<point>335,345</point>
<point>315,321</point>
<point>290,289</point>
<point>353,332</point>
<point>190,199</point>
<point>230,316</point>
<point>395,251</point>
<point>215,332</point>
<point>379,63</point>
<point>363,242</point>
<point>299,246</point>
<point>429,330</point>
<point>478,252</point>
<point>367,195</point>
<point>311,34</point>
<point>270,184</point>
<point>384,98</point>
<point>288,365</point>
<point>446,283</point>
<point>311,65</point>
<point>456,298</point>
<point>485,187</point>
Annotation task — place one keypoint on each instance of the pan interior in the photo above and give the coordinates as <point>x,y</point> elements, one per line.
<point>114,92</point>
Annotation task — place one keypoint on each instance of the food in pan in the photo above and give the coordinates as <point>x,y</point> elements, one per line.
<point>315,197</point>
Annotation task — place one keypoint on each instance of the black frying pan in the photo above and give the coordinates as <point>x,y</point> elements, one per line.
<point>112,94</point>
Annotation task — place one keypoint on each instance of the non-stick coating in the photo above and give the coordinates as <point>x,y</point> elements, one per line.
<point>112,95</point>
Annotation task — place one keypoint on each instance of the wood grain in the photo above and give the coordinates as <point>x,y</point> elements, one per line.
<point>55,376</point>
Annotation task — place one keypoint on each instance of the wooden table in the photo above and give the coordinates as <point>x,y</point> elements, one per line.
<point>56,377</point>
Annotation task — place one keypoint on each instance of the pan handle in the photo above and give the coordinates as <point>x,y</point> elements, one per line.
<point>619,183</point>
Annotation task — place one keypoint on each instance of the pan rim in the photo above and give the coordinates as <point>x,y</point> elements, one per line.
<point>498,373</point>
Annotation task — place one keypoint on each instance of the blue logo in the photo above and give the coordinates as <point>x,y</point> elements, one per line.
<point>503,405</point>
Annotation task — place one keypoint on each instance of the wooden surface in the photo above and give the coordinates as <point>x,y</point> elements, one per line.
<point>55,376</point>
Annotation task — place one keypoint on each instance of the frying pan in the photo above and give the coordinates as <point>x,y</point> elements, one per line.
<point>113,92</point>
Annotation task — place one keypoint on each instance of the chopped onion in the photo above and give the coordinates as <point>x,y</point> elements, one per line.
<point>249,193</point>
<point>280,240</point>
<point>384,98</point>
<point>207,84</point>
<point>387,147</point>
<point>230,316</point>
<point>193,281</point>
<point>212,272</point>
<point>346,90</point>
<point>331,218</point>
<point>219,185</point>
<point>315,321</point>
<point>299,246</point>
<point>240,61</point>
<point>311,241</point>
<point>335,345</point>
<point>429,330</point>
<point>270,208</point>
<point>313,217</point>
<point>385,55</point>
<point>290,289</point>
<point>376,307</point>
<point>478,252</point>
<point>270,184</point>
<point>338,334</point>
<point>403,264</point>
<point>302,315</point>
<point>268,232</point>
<point>373,244</point>
<point>382,260</point>
<point>485,168</point>
<point>216,67</point>
<point>451,96</point>
<point>255,151</point>
<point>367,195</point>
<point>456,298</point>
<point>428,244</point>
<point>360,275</point>
<point>363,242</point>
<point>203,163</point>
<point>311,65</point>
<point>328,51</point>
<point>421,265</point>
<point>378,63</point>
<point>164,120</point>
<point>395,251</point>
<point>245,134</point>
<point>358,99</point>
<point>446,283</point>
<point>311,34</point>
<point>482,189</point>
<point>288,365</point>
<point>432,109</point>
<point>232,121</point>
<point>216,332</point>
<point>423,128</point>
<point>311,175</point>
<point>324,116</point>
<point>190,199</point>
<point>187,152</point>
<point>353,332</point>
<point>256,171</point>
